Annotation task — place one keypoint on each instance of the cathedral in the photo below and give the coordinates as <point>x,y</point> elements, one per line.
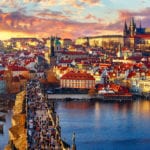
<point>136,36</point>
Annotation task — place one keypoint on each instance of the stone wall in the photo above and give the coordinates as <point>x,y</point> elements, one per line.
<point>17,133</point>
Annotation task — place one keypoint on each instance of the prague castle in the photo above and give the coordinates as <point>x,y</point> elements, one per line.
<point>138,37</point>
<point>132,37</point>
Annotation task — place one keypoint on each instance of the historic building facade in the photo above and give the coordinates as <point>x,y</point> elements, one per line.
<point>106,41</point>
<point>80,80</point>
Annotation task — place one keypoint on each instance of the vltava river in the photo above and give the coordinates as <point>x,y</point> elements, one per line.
<point>106,126</point>
<point>5,137</point>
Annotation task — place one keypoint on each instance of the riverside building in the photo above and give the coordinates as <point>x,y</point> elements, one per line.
<point>78,79</point>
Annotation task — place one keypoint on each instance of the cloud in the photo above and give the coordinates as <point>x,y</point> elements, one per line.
<point>8,3</point>
<point>80,4</point>
<point>140,15</point>
<point>90,16</point>
<point>40,1</point>
<point>126,14</point>
<point>47,22</point>
<point>52,15</point>
<point>91,2</point>
<point>17,22</point>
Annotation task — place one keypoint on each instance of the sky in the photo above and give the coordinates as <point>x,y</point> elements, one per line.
<point>69,18</point>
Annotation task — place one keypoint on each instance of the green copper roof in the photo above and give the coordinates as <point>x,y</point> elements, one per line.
<point>57,42</point>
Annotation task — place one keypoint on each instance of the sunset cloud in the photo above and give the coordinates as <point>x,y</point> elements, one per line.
<point>139,16</point>
<point>17,22</point>
<point>69,18</point>
<point>52,15</point>
<point>90,16</point>
<point>142,14</point>
<point>91,2</point>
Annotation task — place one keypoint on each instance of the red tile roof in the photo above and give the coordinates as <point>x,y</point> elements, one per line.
<point>17,68</point>
<point>2,72</point>
<point>72,75</point>
<point>148,73</point>
<point>146,36</point>
<point>114,87</point>
<point>68,61</point>
<point>15,79</point>
<point>131,74</point>
<point>22,77</point>
<point>74,53</point>
<point>112,74</point>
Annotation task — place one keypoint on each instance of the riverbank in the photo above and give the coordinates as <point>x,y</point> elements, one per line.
<point>104,97</point>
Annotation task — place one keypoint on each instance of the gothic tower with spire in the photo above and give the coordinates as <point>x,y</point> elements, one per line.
<point>125,31</point>
<point>52,53</point>
<point>132,27</point>
<point>126,34</point>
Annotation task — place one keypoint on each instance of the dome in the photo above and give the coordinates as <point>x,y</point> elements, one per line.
<point>57,42</point>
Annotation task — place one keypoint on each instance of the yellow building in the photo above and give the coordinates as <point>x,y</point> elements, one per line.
<point>65,43</point>
<point>107,41</point>
<point>144,86</point>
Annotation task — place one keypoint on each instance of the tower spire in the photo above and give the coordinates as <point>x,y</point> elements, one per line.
<point>140,24</point>
<point>125,28</point>
<point>132,23</point>
<point>132,27</point>
<point>125,25</point>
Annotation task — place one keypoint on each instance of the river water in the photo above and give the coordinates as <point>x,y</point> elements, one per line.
<point>106,126</point>
<point>5,137</point>
<point>101,126</point>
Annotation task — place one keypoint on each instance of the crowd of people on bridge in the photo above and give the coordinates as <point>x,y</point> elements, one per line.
<point>40,131</point>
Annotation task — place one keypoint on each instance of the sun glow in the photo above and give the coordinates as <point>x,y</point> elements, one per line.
<point>7,35</point>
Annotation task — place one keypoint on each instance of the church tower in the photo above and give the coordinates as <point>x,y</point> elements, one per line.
<point>87,42</point>
<point>119,53</point>
<point>132,27</point>
<point>126,34</point>
<point>125,31</point>
<point>52,53</point>
<point>57,44</point>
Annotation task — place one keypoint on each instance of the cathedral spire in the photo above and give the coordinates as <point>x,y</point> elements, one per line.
<point>132,21</point>
<point>132,27</point>
<point>125,28</point>
<point>125,25</point>
<point>140,24</point>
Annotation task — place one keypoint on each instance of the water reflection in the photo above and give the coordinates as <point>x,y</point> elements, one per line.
<point>5,137</point>
<point>100,125</point>
<point>97,114</point>
<point>97,110</point>
<point>77,105</point>
<point>142,108</point>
